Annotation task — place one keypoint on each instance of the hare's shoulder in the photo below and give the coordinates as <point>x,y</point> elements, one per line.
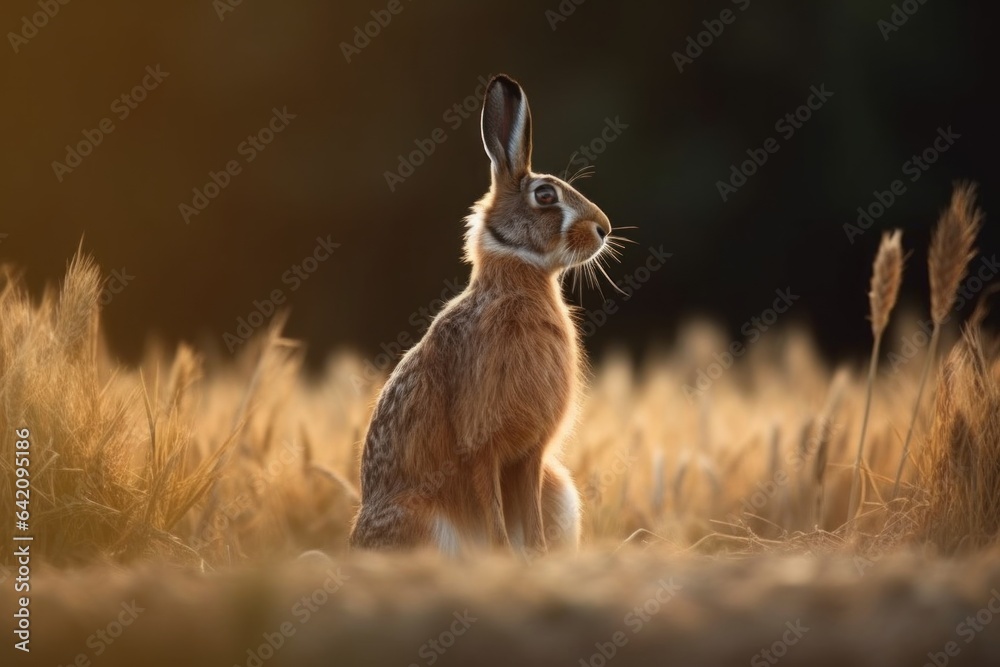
<point>477,330</point>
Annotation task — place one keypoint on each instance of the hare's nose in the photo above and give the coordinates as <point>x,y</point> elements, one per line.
<point>601,231</point>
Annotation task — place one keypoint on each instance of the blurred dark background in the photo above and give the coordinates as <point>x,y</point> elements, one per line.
<point>324,174</point>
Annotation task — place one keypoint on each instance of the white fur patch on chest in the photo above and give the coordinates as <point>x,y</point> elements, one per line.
<point>445,536</point>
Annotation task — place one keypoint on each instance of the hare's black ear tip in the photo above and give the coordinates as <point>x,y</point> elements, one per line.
<point>506,81</point>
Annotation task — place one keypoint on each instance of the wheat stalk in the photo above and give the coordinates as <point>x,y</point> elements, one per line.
<point>887,275</point>
<point>947,262</point>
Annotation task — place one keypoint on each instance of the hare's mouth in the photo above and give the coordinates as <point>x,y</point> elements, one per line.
<point>591,266</point>
<point>586,240</point>
<point>594,256</point>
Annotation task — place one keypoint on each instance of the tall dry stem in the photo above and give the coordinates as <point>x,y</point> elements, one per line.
<point>887,276</point>
<point>947,261</point>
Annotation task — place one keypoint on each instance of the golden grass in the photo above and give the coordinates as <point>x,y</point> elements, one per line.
<point>859,612</point>
<point>222,462</point>
<point>947,262</point>
<point>169,481</point>
<point>887,277</point>
<point>964,457</point>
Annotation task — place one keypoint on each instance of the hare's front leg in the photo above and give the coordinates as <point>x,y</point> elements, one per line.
<point>522,485</point>
<point>486,481</point>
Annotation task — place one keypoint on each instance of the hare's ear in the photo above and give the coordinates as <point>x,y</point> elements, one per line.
<point>507,128</point>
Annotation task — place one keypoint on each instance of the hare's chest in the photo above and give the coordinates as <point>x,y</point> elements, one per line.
<point>514,377</point>
<point>540,380</point>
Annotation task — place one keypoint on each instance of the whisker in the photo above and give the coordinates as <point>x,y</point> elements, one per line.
<point>578,284</point>
<point>615,237</point>
<point>611,248</point>
<point>572,286</point>
<point>610,281</point>
<point>585,171</point>
<point>597,283</point>
<point>566,170</point>
<point>603,260</point>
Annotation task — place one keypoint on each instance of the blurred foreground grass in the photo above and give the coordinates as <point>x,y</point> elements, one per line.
<point>188,485</point>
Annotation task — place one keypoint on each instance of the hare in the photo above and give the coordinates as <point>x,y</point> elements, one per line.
<point>457,455</point>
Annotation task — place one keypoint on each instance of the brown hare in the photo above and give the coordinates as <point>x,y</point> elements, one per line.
<point>458,452</point>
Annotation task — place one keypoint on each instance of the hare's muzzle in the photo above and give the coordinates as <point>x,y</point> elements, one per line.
<point>586,238</point>
<point>602,230</point>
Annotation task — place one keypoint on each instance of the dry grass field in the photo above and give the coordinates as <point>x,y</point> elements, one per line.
<point>169,502</point>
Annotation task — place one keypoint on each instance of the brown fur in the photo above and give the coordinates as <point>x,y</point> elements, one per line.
<point>457,446</point>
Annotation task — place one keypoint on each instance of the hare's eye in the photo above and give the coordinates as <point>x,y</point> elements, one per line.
<point>545,195</point>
